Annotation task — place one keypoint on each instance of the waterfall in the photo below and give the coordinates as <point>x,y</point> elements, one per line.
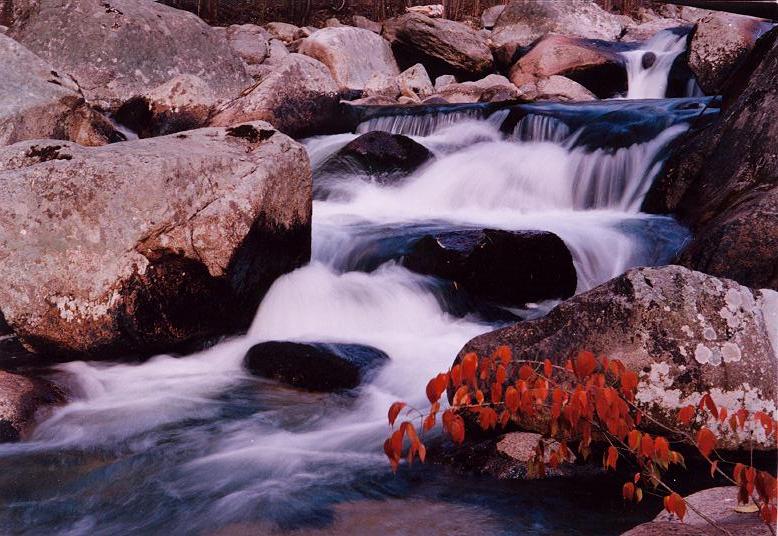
<point>417,124</point>
<point>648,67</point>
<point>538,127</point>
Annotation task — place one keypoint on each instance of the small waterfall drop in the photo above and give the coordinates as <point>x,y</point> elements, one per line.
<point>649,66</point>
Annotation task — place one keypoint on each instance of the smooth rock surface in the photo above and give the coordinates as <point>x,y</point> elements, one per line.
<point>352,55</point>
<point>249,41</point>
<point>38,102</point>
<point>315,366</point>
<point>489,89</point>
<point>442,46</point>
<point>685,333</point>
<point>140,247</point>
<point>118,49</point>
<point>415,81</point>
<point>507,267</point>
<point>299,98</point>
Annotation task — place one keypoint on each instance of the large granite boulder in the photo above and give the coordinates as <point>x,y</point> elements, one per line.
<point>524,21</point>
<point>442,46</point>
<point>685,333</point>
<point>723,181</point>
<point>118,49</point>
<point>720,43</point>
<point>352,55</point>
<point>38,102</point>
<point>249,41</point>
<point>315,366</point>
<point>144,246</point>
<point>21,398</point>
<point>597,67</point>
<point>490,88</point>
<point>507,267</point>
<point>299,98</point>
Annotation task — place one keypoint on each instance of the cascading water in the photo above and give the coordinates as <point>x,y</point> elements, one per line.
<point>197,445</point>
<point>648,67</point>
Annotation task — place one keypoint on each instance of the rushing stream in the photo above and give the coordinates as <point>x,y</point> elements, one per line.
<point>196,445</point>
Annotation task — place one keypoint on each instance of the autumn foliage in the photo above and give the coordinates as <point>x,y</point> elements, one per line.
<point>587,400</point>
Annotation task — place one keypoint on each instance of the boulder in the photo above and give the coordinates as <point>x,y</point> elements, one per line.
<point>376,156</point>
<point>490,15</point>
<point>351,54</point>
<point>38,102</point>
<point>276,53</point>
<point>381,85</point>
<point>430,10</point>
<point>415,81</point>
<point>249,42</point>
<point>299,98</point>
<point>646,30</point>
<point>446,79</point>
<point>685,333</point>
<point>597,67</point>
<point>21,399</point>
<point>720,43</point>
<point>442,46</point>
<point>284,32</point>
<point>315,366</point>
<point>524,21</point>
<point>366,24</point>
<point>142,247</point>
<point>723,181</point>
<point>492,88</point>
<point>506,267</point>
<point>118,49</point>
<point>183,103</point>
<point>718,505</point>
<point>556,88</point>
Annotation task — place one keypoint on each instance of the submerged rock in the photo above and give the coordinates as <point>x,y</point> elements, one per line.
<point>299,98</point>
<point>140,247</point>
<point>118,49</point>
<point>352,55</point>
<point>37,102</point>
<point>315,366</point>
<point>20,399</point>
<point>685,333</point>
<point>442,46</point>
<point>597,67</point>
<point>507,267</point>
<point>723,181</point>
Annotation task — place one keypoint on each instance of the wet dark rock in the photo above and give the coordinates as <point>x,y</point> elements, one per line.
<point>21,398</point>
<point>723,181</point>
<point>315,366</point>
<point>648,59</point>
<point>376,156</point>
<point>507,267</point>
<point>682,332</point>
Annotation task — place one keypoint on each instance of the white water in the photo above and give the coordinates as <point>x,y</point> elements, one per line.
<point>284,450</point>
<point>651,82</point>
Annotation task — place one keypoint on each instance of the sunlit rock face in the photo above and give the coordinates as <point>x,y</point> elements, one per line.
<point>138,247</point>
<point>685,333</point>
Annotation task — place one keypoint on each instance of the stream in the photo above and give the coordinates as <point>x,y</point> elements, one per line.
<point>196,445</point>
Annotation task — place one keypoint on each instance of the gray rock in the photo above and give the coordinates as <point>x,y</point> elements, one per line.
<point>382,85</point>
<point>21,398</point>
<point>37,102</point>
<point>490,15</point>
<point>489,89</point>
<point>299,98</point>
<point>646,30</point>
<point>446,79</point>
<point>249,41</point>
<point>276,52</point>
<point>366,24</point>
<point>556,88</point>
<point>683,332</point>
<point>720,43</point>
<point>718,505</point>
<point>118,49</point>
<point>352,55</point>
<point>284,32</point>
<point>415,80</point>
<point>442,46</point>
<point>143,246</point>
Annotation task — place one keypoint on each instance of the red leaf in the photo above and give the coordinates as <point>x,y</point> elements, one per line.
<point>585,364</point>
<point>496,393</point>
<point>394,411</point>
<point>706,441</point>
<point>707,401</point>
<point>469,367</point>
<point>503,354</point>
<point>647,446</point>
<point>429,422</point>
<point>612,456</point>
<point>628,491</point>
<point>662,449</point>
<point>456,375</point>
<point>737,472</point>
<point>512,399</point>
<point>548,368</point>
<point>500,375</point>
<point>525,372</point>
<point>457,429</point>
<point>629,381</point>
<point>686,414</point>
